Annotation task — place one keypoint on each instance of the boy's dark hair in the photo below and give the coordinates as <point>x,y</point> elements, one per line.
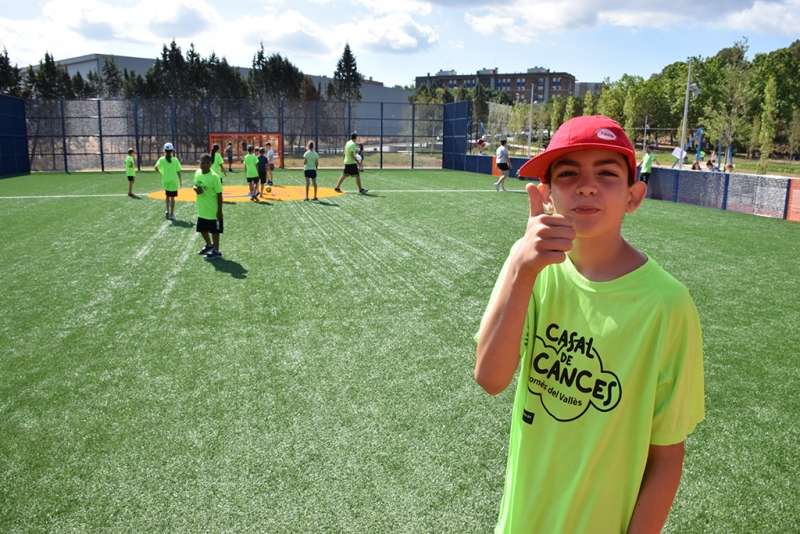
<point>131,150</point>
<point>269,144</point>
<point>310,145</point>
<point>206,156</point>
<point>503,142</point>
<point>354,136</point>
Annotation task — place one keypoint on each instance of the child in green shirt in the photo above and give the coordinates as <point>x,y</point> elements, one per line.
<point>130,170</point>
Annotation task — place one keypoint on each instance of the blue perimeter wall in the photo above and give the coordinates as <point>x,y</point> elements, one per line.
<point>13,137</point>
<point>768,196</point>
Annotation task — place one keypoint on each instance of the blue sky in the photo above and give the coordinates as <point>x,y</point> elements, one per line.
<point>396,41</point>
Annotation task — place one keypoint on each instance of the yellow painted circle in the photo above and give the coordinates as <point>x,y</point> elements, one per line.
<point>240,193</point>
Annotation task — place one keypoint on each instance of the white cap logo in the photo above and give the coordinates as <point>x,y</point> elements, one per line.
<point>606,134</point>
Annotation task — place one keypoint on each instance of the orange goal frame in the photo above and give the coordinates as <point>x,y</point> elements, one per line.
<point>258,140</point>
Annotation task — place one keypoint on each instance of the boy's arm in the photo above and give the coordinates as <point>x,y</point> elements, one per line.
<point>546,241</point>
<point>660,481</point>
<point>180,178</point>
<point>219,206</point>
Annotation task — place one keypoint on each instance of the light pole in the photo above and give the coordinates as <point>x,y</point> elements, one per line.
<point>685,114</point>
<point>539,143</point>
<point>530,120</point>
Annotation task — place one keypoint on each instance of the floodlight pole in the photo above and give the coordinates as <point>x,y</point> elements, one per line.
<point>541,127</point>
<point>685,113</point>
<point>530,121</point>
<point>644,141</point>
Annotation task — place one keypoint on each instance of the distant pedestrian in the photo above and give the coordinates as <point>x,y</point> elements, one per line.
<point>647,164</point>
<point>229,154</point>
<point>270,163</point>
<point>263,161</point>
<point>503,165</point>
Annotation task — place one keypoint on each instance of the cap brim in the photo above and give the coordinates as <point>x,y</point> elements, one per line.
<point>538,166</point>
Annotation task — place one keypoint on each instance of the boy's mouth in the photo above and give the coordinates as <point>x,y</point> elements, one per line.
<point>585,210</point>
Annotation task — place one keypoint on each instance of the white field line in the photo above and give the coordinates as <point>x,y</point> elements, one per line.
<point>23,197</point>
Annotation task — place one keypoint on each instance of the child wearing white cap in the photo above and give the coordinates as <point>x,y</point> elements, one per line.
<point>169,167</point>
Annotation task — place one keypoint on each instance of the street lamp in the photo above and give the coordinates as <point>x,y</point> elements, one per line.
<point>696,92</point>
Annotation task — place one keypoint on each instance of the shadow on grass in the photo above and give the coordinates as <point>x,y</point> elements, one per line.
<point>235,269</point>
<point>182,224</point>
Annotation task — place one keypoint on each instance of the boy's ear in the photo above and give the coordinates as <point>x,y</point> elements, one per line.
<point>637,193</point>
<point>544,189</point>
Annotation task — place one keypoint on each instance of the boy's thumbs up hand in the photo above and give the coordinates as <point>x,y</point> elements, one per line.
<point>547,238</point>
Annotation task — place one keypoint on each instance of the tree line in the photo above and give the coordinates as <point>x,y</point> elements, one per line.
<point>182,76</point>
<point>752,105</point>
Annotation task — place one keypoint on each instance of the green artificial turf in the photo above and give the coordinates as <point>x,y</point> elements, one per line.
<point>319,377</point>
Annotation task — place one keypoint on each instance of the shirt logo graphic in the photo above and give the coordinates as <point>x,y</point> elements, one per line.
<point>567,374</point>
<point>606,134</point>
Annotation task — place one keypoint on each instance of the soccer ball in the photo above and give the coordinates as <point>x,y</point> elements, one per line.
<point>269,189</point>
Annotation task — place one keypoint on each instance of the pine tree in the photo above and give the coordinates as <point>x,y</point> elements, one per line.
<point>112,78</point>
<point>274,78</point>
<point>346,78</point>
<point>10,77</point>
<point>50,80</point>
<point>480,108</point>
<point>588,104</point>
<point>768,125</point>
<point>755,134</point>
<point>462,93</point>
<point>309,91</point>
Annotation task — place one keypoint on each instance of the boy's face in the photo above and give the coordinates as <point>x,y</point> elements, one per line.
<point>205,165</point>
<point>591,187</point>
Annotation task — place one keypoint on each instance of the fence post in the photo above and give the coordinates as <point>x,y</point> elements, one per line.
<point>677,184</point>
<point>283,110</point>
<point>63,139</point>
<point>172,121</point>
<point>381,146</point>
<point>316,125</point>
<point>725,192</point>
<point>413,130</point>
<point>208,123</point>
<point>349,124</point>
<point>136,133</point>
<point>100,135</point>
<point>788,197</point>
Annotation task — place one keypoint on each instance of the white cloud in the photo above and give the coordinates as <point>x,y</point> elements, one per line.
<point>538,17</point>
<point>396,32</point>
<point>413,7</point>
<point>769,17</point>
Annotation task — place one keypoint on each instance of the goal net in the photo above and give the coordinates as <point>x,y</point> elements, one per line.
<point>239,142</point>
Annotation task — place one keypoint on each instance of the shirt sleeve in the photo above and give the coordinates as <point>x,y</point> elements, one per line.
<point>680,395</point>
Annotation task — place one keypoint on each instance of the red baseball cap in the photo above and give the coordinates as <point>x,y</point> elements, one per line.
<point>581,133</point>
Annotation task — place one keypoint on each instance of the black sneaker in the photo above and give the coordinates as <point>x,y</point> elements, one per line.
<point>337,189</point>
<point>206,249</point>
<point>363,191</point>
<point>214,255</point>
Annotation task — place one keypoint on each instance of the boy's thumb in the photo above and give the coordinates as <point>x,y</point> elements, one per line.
<point>535,198</point>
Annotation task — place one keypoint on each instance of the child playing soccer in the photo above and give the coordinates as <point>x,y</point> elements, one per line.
<point>310,166</point>
<point>251,172</point>
<point>217,163</point>
<point>169,167</point>
<point>263,161</point>
<point>130,170</point>
<point>208,188</point>
<point>270,163</point>
<point>360,157</point>
<point>611,376</point>
<point>350,165</point>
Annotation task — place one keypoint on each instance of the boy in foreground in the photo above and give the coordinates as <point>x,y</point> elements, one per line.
<point>208,188</point>
<point>350,165</point>
<point>611,381</point>
<point>130,170</point>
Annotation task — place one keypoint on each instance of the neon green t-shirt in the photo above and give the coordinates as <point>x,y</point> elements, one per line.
<point>130,166</point>
<point>207,200</point>
<point>349,149</point>
<point>311,158</point>
<point>251,165</point>
<point>217,164</point>
<point>647,162</point>
<point>608,368</point>
<point>169,173</point>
